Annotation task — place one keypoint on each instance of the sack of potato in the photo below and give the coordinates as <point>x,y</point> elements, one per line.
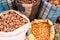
<point>28,7</point>
<point>41,30</point>
<point>50,9</point>
<point>13,25</point>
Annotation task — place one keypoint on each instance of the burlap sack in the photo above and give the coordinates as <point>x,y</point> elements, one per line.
<point>29,10</point>
<point>52,31</point>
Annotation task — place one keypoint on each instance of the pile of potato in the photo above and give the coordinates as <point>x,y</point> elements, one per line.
<point>11,21</point>
<point>54,2</point>
<point>27,1</point>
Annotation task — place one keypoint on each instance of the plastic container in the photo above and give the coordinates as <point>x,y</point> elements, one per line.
<point>18,34</point>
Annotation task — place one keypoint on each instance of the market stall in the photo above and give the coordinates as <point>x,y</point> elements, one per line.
<point>29,19</point>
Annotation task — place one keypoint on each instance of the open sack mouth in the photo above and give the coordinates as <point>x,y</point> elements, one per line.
<point>11,21</point>
<point>41,30</point>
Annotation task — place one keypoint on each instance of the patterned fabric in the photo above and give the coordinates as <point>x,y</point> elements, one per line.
<point>5,5</point>
<point>56,14</point>
<point>49,11</point>
<point>46,11</point>
<point>42,10</point>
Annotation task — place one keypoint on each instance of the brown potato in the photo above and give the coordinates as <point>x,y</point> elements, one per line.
<point>27,1</point>
<point>54,2</point>
<point>11,21</point>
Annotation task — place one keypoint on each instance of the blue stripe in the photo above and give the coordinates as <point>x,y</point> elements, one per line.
<point>3,0</point>
<point>52,11</point>
<point>1,7</point>
<point>57,13</point>
<point>5,6</point>
<point>46,10</point>
<point>53,19</point>
<point>0,1</point>
<point>42,2</point>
